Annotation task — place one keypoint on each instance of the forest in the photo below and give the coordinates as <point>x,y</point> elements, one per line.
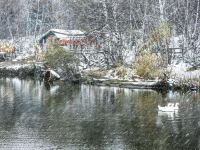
<point>123,27</point>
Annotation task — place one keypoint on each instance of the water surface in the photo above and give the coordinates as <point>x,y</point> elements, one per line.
<point>64,116</point>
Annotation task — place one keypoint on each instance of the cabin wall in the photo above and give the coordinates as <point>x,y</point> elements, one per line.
<point>73,43</point>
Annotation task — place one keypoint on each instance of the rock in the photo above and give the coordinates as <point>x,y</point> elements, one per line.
<point>51,75</point>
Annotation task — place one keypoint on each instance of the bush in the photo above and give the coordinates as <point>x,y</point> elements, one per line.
<point>121,72</point>
<point>146,65</point>
<point>58,58</point>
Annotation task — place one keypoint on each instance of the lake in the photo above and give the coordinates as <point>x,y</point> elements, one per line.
<point>64,116</point>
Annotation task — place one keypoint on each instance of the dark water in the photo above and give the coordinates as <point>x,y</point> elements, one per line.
<point>34,116</point>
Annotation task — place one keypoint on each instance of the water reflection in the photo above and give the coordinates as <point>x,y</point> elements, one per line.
<point>65,116</point>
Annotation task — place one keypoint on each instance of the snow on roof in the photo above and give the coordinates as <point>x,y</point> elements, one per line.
<point>63,33</point>
<point>68,32</point>
<point>58,35</point>
<point>63,36</point>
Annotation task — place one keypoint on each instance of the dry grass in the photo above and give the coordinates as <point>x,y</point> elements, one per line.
<point>7,47</point>
<point>145,65</point>
<point>121,72</point>
<point>100,73</point>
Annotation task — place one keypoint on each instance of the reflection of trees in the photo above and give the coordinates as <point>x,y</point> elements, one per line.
<point>96,117</point>
<point>140,129</point>
<point>93,133</point>
<point>183,132</point>
<point>97,125</point>
<point>27,101</point>
<point>113,118</point>
<point>8,108</point>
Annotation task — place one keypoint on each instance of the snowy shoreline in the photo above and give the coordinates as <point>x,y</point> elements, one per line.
<point>17,69</point>
<point>24,69</point>
<point>148,84</point>
<point>177,77</point>
<point>159,85</point>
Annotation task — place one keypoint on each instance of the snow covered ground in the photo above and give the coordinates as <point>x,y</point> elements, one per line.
<point>180,71</point>
<point>181,76</point>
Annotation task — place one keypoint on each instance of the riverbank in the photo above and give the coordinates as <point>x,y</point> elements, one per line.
<point>20,69</point>
<point>131,84</point>
<point>23,69</point>
<point>122,77</point>
<point>179,80</point>
<point>176,77</point>
<point>183,76</point>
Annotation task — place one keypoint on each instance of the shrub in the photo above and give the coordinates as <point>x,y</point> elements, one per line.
<point>58,57</point>
<point>118,63</point>
<point>146,65</point>
<point>121,72</point>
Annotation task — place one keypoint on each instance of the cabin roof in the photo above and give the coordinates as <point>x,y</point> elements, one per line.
<point>68,32</point>
<point>59,33</point>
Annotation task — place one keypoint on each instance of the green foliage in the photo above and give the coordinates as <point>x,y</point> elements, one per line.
<point>146,65</point>
<point>58,57</point>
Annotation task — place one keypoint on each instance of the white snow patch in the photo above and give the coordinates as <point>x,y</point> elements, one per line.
<point>55,74</point>
<point>180,71</point>
<point>17,66</point>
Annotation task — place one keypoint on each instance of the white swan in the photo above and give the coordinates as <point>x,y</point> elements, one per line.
<point>169,108</point>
